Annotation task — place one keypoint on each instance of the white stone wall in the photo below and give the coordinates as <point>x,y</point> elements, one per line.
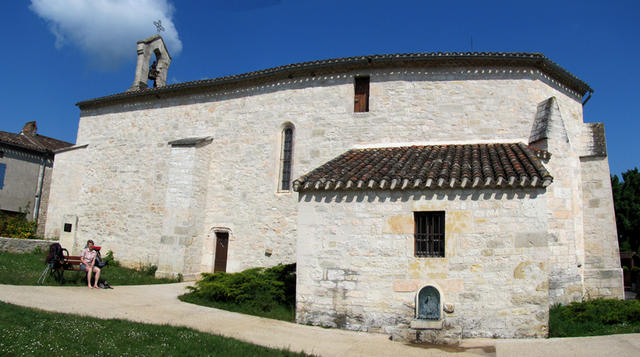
<point>66,195</point>
<point>122,203</point>
<point>602,271</point>
<point>357,268</point>
<point>44,199</point>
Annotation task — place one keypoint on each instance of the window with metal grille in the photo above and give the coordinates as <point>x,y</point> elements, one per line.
<point>429,234</point>
<point>285,159</point>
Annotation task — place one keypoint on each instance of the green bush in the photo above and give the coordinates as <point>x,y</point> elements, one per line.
<point>258,288</point>
<point>148,269</point>
<point>16,226</point>
<point>110,260</point>
<point>595,317</point>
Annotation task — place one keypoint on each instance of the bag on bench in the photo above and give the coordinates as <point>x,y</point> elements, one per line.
<point>56,258</point>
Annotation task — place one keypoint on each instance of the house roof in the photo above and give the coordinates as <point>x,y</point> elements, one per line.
<point>509,165</point>
<point>427,59</point>
<point>33,142</point>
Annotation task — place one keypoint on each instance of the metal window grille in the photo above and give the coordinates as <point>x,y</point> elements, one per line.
<point>429,234</point>
<point>285,183</point>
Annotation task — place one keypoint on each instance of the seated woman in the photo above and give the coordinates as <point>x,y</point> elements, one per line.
<point>88,261</point>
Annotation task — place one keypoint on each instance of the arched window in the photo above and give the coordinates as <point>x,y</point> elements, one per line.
<point>285,158</point>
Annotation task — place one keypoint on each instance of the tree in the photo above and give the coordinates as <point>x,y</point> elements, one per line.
<point>626,200</point>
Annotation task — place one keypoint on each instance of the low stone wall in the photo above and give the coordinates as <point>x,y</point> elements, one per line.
<point>14,245</point>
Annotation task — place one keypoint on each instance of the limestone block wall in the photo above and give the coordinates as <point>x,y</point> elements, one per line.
<point>181,241</point>
<point>122,203</point>
<point>44,199</point>
<point>66,195</point>
<point>564,209</point>
<point>602,271</point>
<point>19,246</point>
<point>357,268</point>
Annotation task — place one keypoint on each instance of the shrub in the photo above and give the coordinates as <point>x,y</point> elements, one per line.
<point>259,288</point>
<point>17,226</point>
<point>108,258</point>
<point>600,316</point>
<point>148,269</point>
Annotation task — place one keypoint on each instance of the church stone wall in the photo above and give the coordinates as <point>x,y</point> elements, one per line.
<point>602,272</point>
<point>357,268</point>
<point>122,204</point>
<point>65,195</point>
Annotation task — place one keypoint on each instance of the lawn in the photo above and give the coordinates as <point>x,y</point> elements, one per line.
<point>25,269</point>
<point>30,332</point>
<point>595,317</point>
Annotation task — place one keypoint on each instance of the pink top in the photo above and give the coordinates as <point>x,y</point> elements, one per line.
<point>88,256</point>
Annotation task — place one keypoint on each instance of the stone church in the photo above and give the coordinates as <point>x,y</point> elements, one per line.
<point>429,196</point>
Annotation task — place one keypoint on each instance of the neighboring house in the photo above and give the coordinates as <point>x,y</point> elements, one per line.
<point>26,160</point>
<point>429,196</point>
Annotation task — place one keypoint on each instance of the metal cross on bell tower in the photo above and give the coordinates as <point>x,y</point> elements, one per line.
<point>159,26</point>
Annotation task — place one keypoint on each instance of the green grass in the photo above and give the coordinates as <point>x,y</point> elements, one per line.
<point>278,312</point>
<point>25,269</point>
<point>30,332</point>
<point>594,318</point>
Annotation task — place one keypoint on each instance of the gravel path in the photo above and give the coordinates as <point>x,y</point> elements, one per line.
<point>158,304</point>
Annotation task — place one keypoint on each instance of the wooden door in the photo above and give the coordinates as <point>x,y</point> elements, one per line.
<point>361,100</point>
<point>222,244</point>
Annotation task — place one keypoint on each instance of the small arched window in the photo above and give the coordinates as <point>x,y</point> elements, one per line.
<point>285,158</point>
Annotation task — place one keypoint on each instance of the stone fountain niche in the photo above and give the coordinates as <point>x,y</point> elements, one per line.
<point>428,309</point>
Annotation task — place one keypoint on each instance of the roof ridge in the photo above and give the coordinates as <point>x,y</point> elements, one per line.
<point>541,62</point>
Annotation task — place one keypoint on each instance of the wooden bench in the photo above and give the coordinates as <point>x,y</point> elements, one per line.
<point>71,263</point>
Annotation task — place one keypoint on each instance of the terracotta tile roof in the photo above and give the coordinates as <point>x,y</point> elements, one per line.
<point>34,142</point>
<point>427,59</point>
<point>509,165</point>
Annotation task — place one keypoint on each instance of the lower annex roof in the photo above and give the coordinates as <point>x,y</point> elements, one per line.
<point>505,165</point>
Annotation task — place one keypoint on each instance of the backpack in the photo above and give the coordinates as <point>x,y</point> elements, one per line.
<point>56,258</point>
<point>99,262</point>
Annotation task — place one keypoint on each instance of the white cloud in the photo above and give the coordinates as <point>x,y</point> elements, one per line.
<point>107,30</point>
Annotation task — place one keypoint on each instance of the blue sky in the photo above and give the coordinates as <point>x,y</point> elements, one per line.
<point>58,52</point>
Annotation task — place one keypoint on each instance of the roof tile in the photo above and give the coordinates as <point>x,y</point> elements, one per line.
<point>429,167</point>
<point>35,142</point>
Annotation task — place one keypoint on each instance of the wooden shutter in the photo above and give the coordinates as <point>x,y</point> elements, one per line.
<point>3,169</point>
<point>361,99</point>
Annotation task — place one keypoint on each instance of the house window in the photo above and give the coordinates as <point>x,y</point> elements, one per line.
<point>3,169</point>
<point>429,234</point>
<point>285,159</point>
<point>361,99</point>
